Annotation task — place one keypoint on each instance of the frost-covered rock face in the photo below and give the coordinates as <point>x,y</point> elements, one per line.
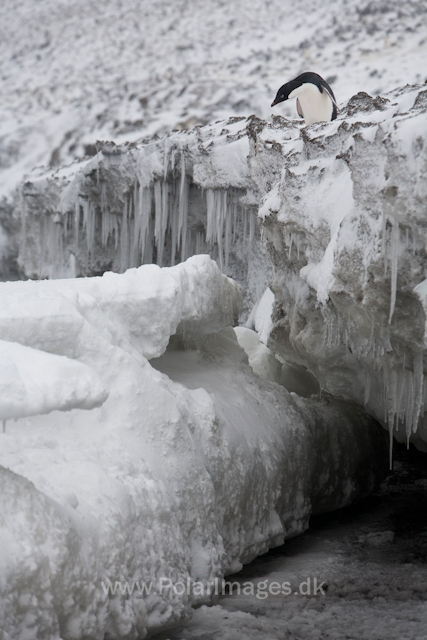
<point>192,466</point>
<point>346,231</point>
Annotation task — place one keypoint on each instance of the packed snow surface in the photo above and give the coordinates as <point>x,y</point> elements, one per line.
<point>178,478</point>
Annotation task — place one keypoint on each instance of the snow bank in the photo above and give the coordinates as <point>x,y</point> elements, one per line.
<point>178,478</point>
<point>345,229</point>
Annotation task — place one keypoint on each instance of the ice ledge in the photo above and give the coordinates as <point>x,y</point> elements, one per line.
<point>346,231</point>
<point>149,304</point>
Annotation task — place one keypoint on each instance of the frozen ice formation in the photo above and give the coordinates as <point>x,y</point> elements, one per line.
<point>342,215</point>
<point>192,466</point>
<point>345,229</point>
<point>34,382</point>
<point>161,201</point>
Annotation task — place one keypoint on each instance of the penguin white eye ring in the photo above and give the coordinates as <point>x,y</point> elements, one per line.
<point>315,98</point>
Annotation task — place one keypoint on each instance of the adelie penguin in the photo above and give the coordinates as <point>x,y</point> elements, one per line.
<point>315,98</point>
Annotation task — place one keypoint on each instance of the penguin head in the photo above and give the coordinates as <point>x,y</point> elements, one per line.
<point>285,91</point>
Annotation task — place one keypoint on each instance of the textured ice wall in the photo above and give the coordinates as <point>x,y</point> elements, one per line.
<point>170,480</point>
<point>162,201</point>
<point>345,225</point>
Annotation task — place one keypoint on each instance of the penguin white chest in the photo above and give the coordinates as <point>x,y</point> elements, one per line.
<point>316,106</point>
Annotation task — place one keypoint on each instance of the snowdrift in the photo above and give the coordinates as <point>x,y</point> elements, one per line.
<point>188,469</point>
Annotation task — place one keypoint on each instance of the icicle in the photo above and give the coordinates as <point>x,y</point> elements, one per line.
<point>172,161</point>
<point>409,404</point>
<point>124,242</point>
<point>418,389</point>
<point>4,426</point>
<point>136,230</point>
<point>146,226</point>
<point>76,222</point>
<point>228,236</point>
<point>235,219</point>
<point>399,397</point>
<point>245,226</point>
<point>216,212</point>
<point>391,402</point>
<point>290,247</point>
<point>367,388</point>
<point>384,241</point>
<point>161,200</point>
<point>252,226</point>
<point>89,220</point>
<point>166,162</point>
<point>390,451</point>
<point>183,211</point>
<point>174,215</point>
<point>394,256</point>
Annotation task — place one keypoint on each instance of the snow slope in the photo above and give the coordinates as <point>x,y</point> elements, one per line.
<point>175,478</point>
<point>76,72</point>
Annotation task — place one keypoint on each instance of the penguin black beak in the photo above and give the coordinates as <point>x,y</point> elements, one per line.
<point>273,103</point>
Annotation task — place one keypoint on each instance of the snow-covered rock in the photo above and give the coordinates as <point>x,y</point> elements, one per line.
<point>187,470</point>
<point>345,229</point>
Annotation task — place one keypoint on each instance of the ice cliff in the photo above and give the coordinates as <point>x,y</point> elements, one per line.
<point>345,226</point>
<point>161,202</point>
<point>190,467</point>
<point>342,208</point>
